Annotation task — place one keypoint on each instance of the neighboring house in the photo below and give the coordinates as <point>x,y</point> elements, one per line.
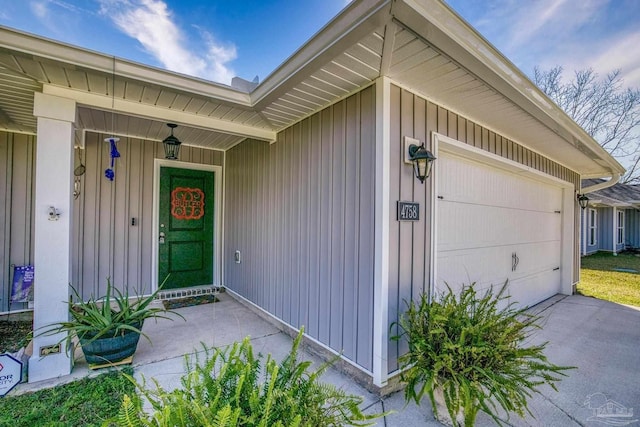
<point>611,222</point>
<point>300,176</point>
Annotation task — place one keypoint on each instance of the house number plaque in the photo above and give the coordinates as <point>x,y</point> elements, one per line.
<point>408,211</point>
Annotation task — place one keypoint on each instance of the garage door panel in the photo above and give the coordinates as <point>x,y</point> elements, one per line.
<point>482,266</point>
<point>491,226</point>
<point>532,289</point>
<point>485,216</point>
<point>493,265</point>
<point>535,257</point>
<point>460,178</point>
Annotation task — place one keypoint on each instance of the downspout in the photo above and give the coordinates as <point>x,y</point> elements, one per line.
<point>615,178</point>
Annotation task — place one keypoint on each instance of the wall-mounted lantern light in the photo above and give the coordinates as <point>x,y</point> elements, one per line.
<point>421,158</point>
<point>171,144</point>
<point>583,200</point>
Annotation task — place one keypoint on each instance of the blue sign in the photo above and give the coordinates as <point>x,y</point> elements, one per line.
<point>22,286</point>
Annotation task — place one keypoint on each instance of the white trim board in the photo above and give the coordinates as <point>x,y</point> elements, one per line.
<point>217,226</point>
<point>450,145</point>
<point>381,230</point>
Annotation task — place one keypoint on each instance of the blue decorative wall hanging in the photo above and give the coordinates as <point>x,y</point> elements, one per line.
<point>109,173</point>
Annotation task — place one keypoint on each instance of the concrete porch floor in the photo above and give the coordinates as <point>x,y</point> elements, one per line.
<point>600,338</point>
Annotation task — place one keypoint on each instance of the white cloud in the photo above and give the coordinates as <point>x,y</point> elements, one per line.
<point>621,52</point>
<point>39,9</point>
<point>152,24</point>
<point>57,16</point>
<point>547,21</point>
<point>546,33</point>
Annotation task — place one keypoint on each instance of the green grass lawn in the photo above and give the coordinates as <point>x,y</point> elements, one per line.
<point>599,279</point>
<point>86,402</point>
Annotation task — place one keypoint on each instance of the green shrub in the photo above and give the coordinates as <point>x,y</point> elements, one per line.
<point>234,388</point>
<point>474,350</point>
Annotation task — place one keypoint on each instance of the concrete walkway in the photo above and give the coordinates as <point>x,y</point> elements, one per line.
<point>600,338</point>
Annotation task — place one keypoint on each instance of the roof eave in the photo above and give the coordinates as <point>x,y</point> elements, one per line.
<point>447,31</point>
<point>30,44</point>
<point>354,22</point>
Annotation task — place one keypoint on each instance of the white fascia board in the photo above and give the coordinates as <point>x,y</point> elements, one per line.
<point>445,30</point>
<point>66,55</point>
<point>157,113</point>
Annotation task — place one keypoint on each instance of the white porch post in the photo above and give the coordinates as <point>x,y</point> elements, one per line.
<point>382,202</point>
<point>52,247</point>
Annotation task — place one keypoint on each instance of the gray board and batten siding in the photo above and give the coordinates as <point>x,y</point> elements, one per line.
<point>105,243</point>
<point>632,228</point>
<point>300,210</point>
<point>605,229</point>
<point>17,172</point>
<point>410,242</point>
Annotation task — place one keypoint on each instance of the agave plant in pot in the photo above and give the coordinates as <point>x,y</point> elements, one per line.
<point>471,352</point>
<point>108,328</point>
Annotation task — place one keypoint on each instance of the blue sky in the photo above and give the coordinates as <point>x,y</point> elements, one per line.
<point>216,40</point>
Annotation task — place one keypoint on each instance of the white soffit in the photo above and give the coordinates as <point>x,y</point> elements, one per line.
<point>16,102</point>
<point>424,70</point>
<point>469,76</point>
<point>41,65</point>
<point>106,122</point>
<point>356,67</point>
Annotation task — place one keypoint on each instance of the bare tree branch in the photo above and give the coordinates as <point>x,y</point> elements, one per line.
<point>603,108</point>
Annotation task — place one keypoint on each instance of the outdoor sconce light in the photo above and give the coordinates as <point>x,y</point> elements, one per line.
<point>421,158</point>
<point>583,200</point>
<point>171,144</point>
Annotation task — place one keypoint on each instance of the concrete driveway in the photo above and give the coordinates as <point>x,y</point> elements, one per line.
<point>601,339</point>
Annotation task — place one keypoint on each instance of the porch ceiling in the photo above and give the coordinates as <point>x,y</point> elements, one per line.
<point>419,44</point>
<point>93,120</point>
<point>16,101</point>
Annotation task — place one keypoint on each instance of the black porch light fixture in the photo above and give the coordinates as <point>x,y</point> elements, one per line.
<point>422,160</point>
<point>171,144</point>
<point>583,201</point>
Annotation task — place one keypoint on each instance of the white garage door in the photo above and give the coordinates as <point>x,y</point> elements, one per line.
<point>495,225</point>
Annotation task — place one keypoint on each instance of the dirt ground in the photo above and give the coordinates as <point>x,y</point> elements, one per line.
<point>14,334</point>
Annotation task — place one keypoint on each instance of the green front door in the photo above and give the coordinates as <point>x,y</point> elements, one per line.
<point>186,218</point>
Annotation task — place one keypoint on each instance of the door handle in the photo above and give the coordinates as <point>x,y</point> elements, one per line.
<point>161,237</point>
<point>514,261</point>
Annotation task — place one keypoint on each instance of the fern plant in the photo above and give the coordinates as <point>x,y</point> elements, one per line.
<point>234,387</point>
<point>473,350</point>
